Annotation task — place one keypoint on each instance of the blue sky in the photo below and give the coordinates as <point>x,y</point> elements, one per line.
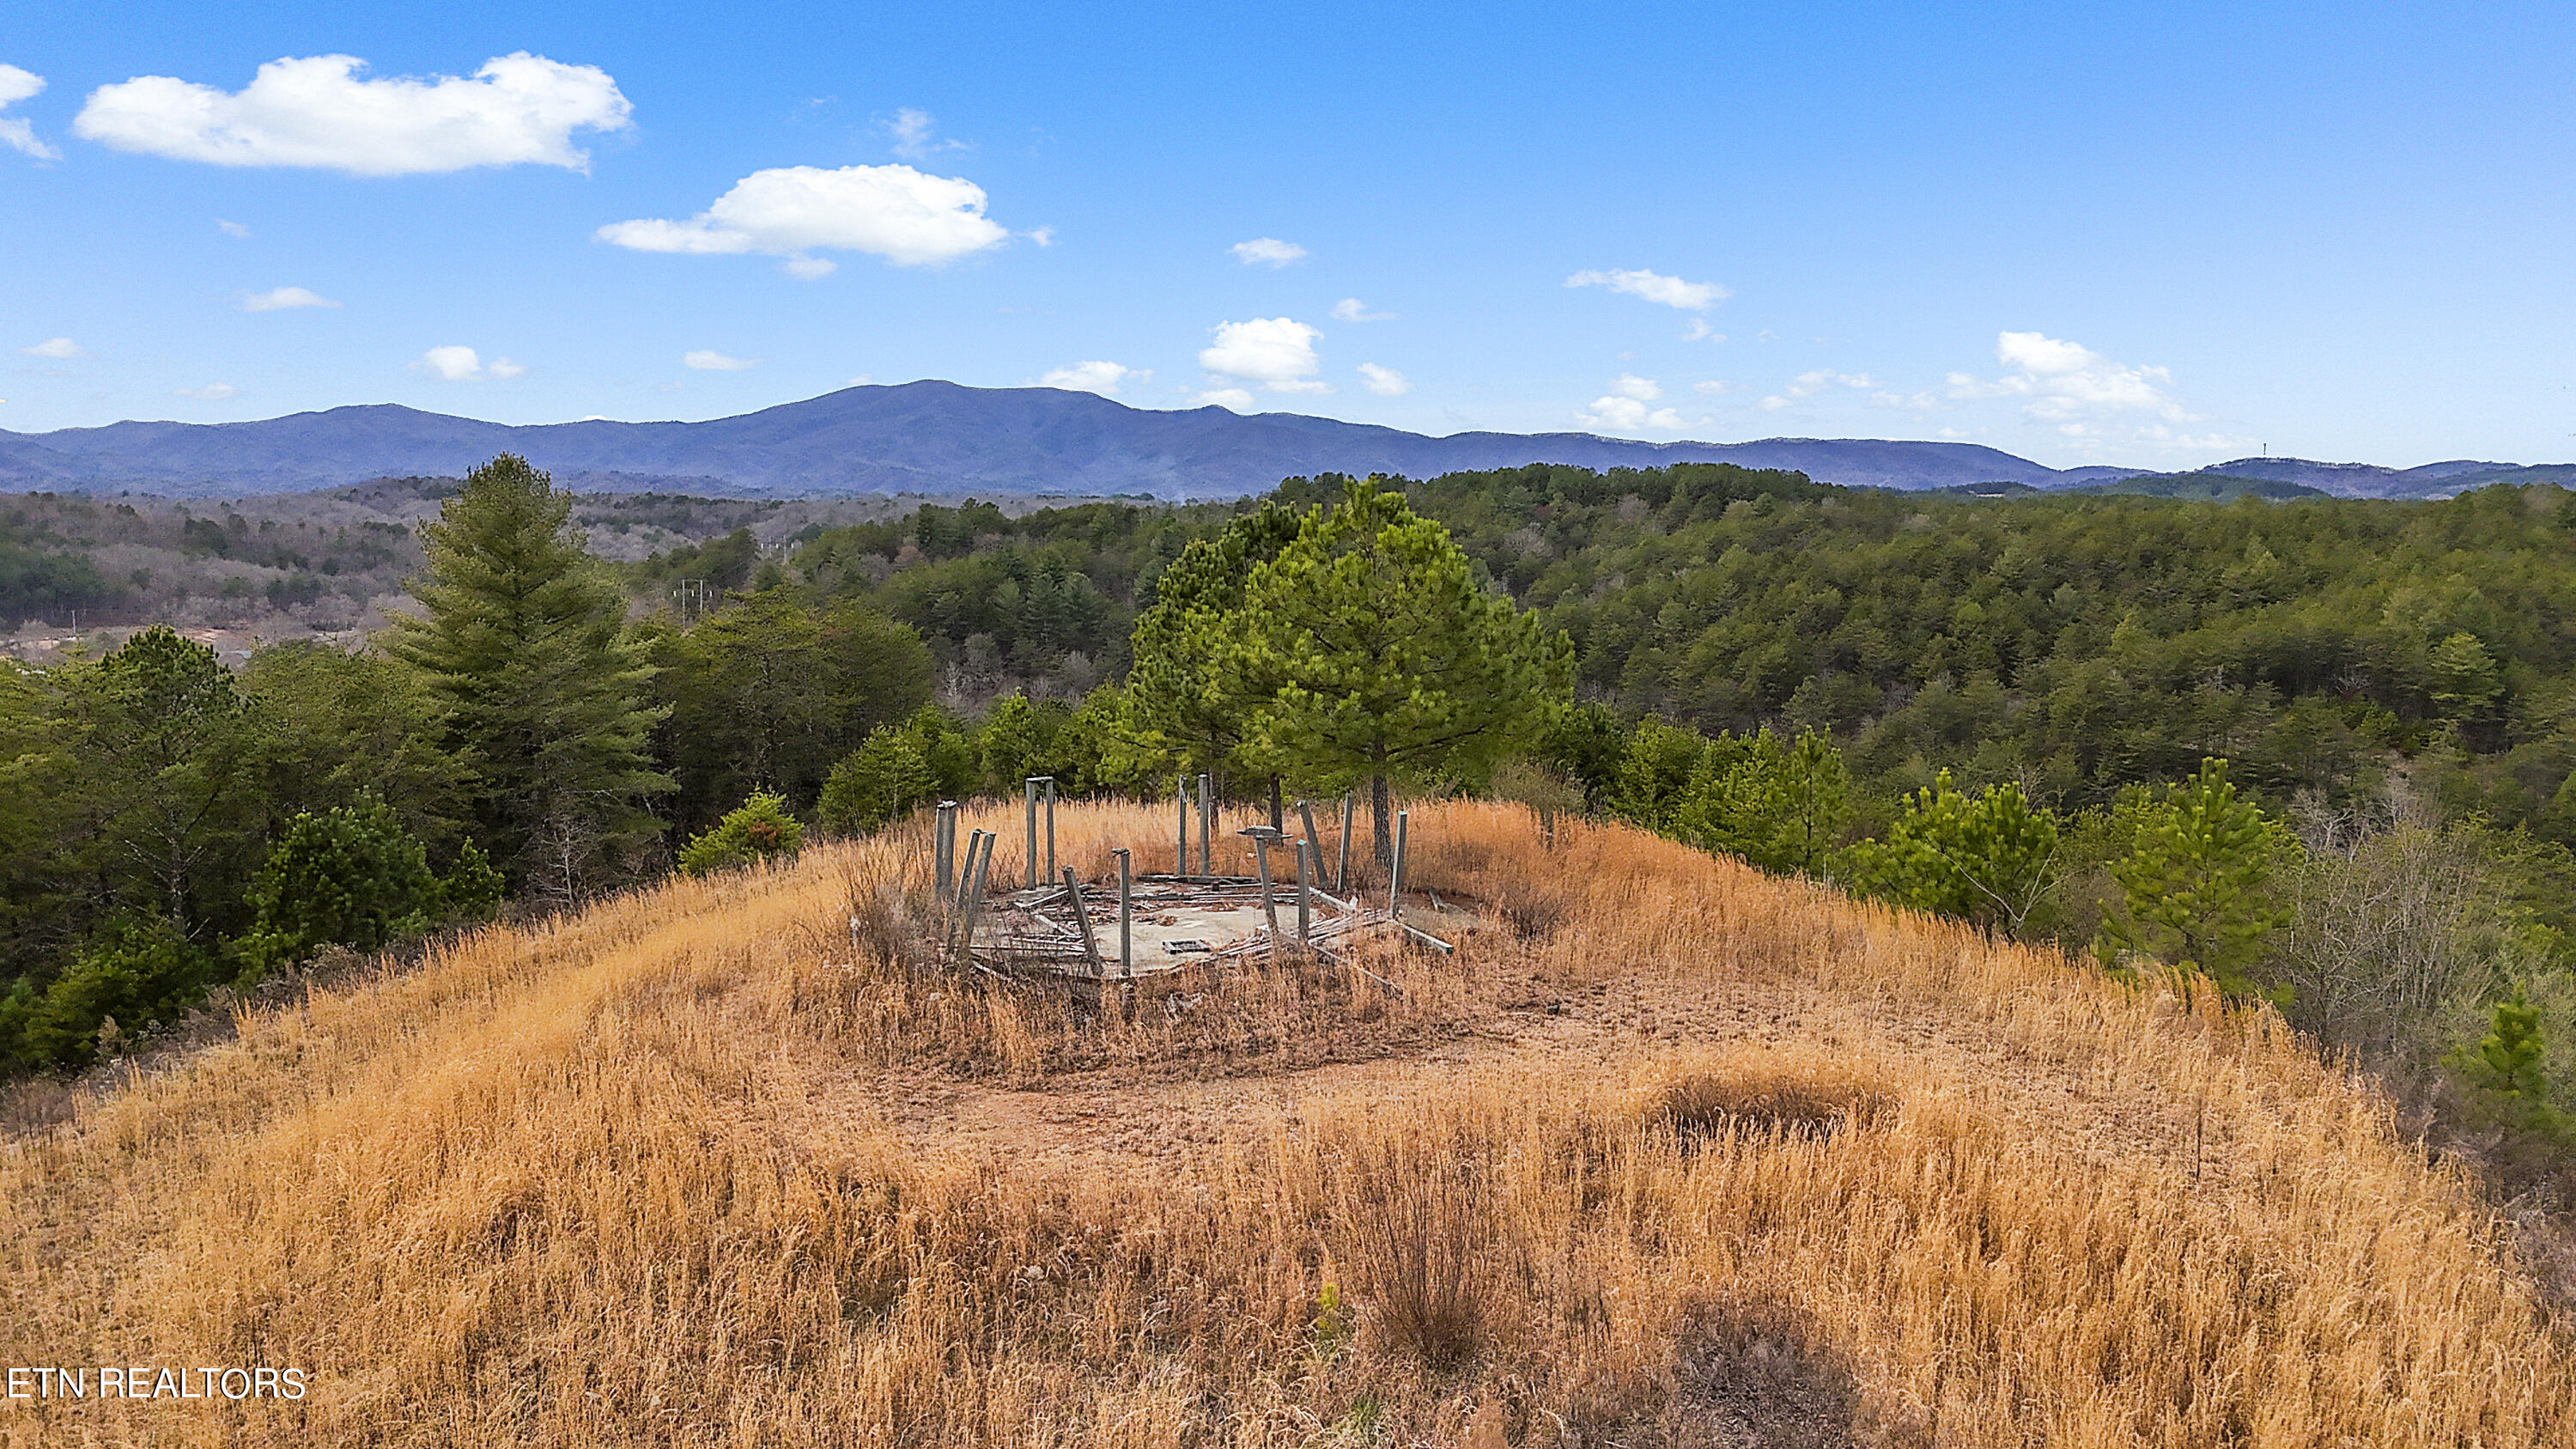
<point>2154,235</point>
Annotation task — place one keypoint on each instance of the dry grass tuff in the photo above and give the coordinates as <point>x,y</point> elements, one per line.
<point>637,1176</point>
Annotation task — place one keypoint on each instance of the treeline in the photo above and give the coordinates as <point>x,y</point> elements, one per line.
<point>2005,711</point>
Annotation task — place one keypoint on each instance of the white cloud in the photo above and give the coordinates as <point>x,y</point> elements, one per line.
<point>1044,236</point>
<point>1352,309</point>
<point>1275,351</point>
<point>55,347</point>
<point>16,133</point>
<point>1808,384</point>
<point>232,229</point>
<point>905,216</point>
<point>1227,397</point>
<point>2091,400</point>
<point>1699,330</point>
<point>460,364</point>
<point>316,111</point>
<point>1619,414</point>
<point>708,360</point>
<point>1640,389</point>
<point>1654,287</point>
<point>1385,381</point>
<point>1712,387</point>
<point>283,299</point>
<point>2065,381</point>
<point>454,364</point>
<point>211,392</point>
<point>1268,251</point>
<point>1104,378</point>
<point>913,139</point>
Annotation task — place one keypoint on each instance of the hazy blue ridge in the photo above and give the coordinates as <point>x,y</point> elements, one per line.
<point>944,439</point>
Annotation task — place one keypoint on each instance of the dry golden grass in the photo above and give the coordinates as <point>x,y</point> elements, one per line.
<point>638,1176</point>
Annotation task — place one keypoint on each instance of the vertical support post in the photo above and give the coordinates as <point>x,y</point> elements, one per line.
<point>1181,855</point>
<point>1306,817</point>
<point>1261,867</point>
<point>1207,824</point>
<point>1050,784</point>
<point>1395,876</point>
<point>1029,797</point>
<point>1342,877</point>
<point>962,904</point>
<point>943,849</point>
<point>975,891</point>
<point>1082,913</point>
<point>1305,894</point>
<point>1126,918</point>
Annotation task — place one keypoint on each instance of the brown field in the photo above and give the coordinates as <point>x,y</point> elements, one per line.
<point>1671,1153</point>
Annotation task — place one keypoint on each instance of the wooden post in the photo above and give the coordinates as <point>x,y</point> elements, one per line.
<point>1181,855</point>
<point>1082,913</point>
<point>1342,877</point>
<point>1395,875</point>
<point>1306,817</point>
<point>1305,894</point>
<point>1207,823</point>
<point>1126,919</point>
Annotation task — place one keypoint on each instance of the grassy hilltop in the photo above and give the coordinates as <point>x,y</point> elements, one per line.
<point>1671,1152</point>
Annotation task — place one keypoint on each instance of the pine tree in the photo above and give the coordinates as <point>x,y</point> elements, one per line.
<point>1781,805</point>
<point>351,876</point>
<point>1181,711</point>
<point>523,637</point>
<point>2512,1061</point>
<point>1986,858</point>
<point>2197,887</point>
<point>161,740</point>
<point>1371,654</point>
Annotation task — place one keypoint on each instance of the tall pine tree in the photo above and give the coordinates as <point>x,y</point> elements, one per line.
<point>1370,653</point>
<point>524,636</point>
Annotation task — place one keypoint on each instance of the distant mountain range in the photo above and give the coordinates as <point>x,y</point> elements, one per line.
<point>939,438</point>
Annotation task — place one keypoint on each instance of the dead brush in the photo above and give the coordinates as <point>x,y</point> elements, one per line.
<point>1769,1095</point>
<point>1413,1234</point>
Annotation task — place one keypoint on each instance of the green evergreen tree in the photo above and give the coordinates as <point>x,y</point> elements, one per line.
<point>2513,1060</point>
<point>134,973</point>
<point>1986,858</point>
<point>351,876</point>
<point>1782,805</point>
<point>2198,888</point>
<point>168,802</point>
<point>759,829</point>
<point>1654,777</point>
<point>1372,654</point>
<point>1183,712</point>
<point>883,779</point>
<point>522,637</point>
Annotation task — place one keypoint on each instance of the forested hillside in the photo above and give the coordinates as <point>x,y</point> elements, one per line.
<point>2339,730</point>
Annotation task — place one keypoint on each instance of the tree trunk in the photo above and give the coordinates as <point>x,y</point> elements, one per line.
<point>1384,821</point>
<point>1278,817</point>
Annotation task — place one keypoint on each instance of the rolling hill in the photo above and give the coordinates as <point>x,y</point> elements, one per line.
<point>1758,1166</point>
<point>941,439</point>
<point>920,437</point>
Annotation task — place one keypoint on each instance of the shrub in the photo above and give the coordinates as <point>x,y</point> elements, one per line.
<point>134,974</point>
<point>885,777</point>
<point>758,829</point>
<point>350,877</point>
